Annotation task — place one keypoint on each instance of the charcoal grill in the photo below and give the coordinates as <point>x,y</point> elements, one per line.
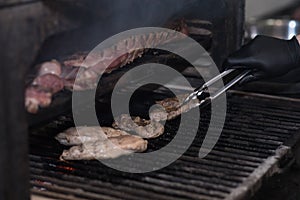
<point>256,142</point>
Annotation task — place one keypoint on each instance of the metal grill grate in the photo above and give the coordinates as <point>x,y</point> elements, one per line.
<point>250,147</point>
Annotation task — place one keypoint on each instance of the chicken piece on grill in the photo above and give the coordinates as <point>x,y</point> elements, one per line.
<point>84,134</point>
<point>142,127</point>
<point>172,108</point>
<point>106,149</point>
<point>172,104</point>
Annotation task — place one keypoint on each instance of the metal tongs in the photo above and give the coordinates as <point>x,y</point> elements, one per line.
<point>201,92</point>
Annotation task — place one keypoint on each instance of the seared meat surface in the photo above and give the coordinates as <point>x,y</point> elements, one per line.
<point>142,127</point>
<point>49,82</point>
<point>105,143</point>
<point>84,134</point>
<point>172,108</point>
<point>50,67</point>
<point>106,149</point>
<point>36,97</point>
<point>99,143</point>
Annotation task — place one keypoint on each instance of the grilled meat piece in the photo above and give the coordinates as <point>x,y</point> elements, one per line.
<point>85,134</point>
<point>142,127</point>
<point>106,149</point>
<point>76,60</point>
<point>172,104</point>
<point>158,114</point>
<point>51,67</point>
<point>49,82</point>
<point>39,93</point>
<point>173,108</point>
<point>36,97</point>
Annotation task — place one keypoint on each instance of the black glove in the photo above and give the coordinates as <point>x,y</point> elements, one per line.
<point>266,57</point>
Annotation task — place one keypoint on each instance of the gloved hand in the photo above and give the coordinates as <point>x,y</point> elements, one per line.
<point>266,57</point>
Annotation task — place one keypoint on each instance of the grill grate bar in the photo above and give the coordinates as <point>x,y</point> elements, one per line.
<point>102,187</point>
<point>94,171</point>
<point>63,187</point>
<point>204,183</point>
<point>218,163</point>
<point>163,187</point>
<point>226,154</point>
<point>191,184</point>
<point>199,178</point>
<point>239,152</point>
<point>227,178</point>
<point>205,164</point>
<point>186,187</point>
<point>139,189</point>
<point>267,133</point>
<point>54,194</point>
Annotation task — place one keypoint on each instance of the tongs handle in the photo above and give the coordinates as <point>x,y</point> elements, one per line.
<point>214,80</point>
<point>230,84</point>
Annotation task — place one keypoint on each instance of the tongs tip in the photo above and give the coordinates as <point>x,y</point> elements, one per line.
<point>200,91</point>
<point>190,97</point>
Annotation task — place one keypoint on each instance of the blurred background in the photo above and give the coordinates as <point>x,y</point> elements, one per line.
<point>261,8</point>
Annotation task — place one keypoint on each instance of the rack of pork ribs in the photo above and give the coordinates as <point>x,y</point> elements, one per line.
<point>54,76</point>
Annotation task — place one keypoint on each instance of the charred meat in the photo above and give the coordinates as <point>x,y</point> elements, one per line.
<point>49,82</point>
<point>106,149</point>
<point>36,97</point>
<point>84,134</point>
<point>51,67</point>
<point>142,127</point>
<point>172,107</point>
